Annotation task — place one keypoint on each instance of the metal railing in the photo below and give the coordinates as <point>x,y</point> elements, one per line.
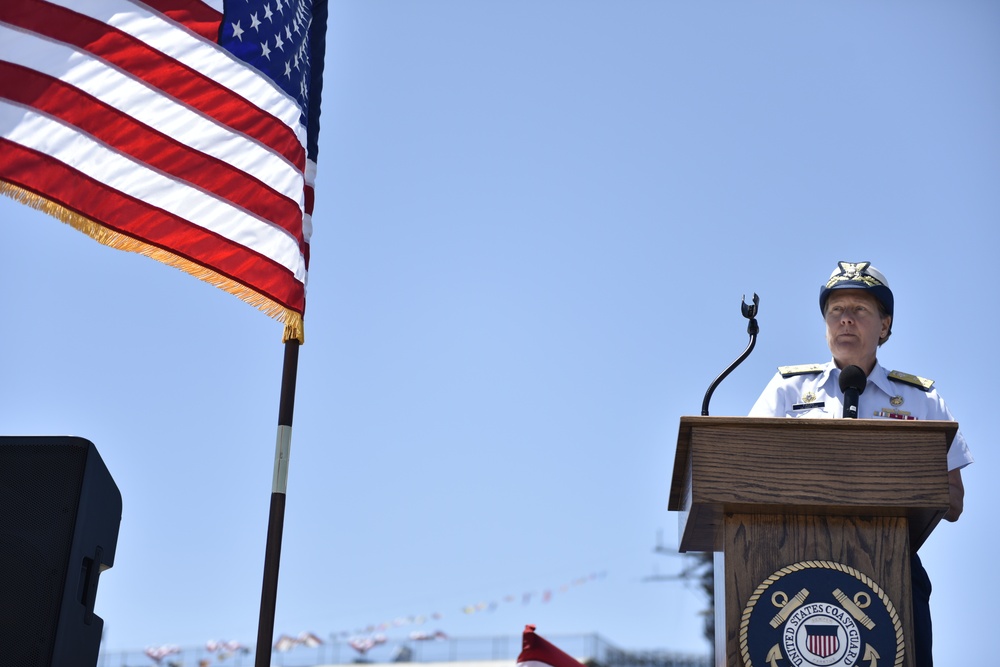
<point>592,649</point>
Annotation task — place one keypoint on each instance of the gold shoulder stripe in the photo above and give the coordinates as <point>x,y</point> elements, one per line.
<point>801,369</point>
<point>916,381</point>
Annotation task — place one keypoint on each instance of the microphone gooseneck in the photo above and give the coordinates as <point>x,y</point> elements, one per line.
<point>852,382</point>
<point>750,312</point>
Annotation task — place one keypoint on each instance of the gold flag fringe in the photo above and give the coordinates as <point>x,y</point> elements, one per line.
<point>291,319</point>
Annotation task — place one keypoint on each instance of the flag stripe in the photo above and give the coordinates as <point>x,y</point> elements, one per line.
<point>132,98</point>
<point>193,14</point>
<point>177,63</point>
<point>162,152</point>
<point>206,58</point>
<point>41,174</point>
<point>132,178</point>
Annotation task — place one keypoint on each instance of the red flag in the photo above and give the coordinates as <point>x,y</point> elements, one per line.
<point>538,652</point>
<point>185,130</point>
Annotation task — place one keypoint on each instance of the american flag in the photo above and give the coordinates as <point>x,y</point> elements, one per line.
<point>185,130</point>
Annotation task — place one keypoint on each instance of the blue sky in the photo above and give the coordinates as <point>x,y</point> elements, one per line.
<point>535,224</point>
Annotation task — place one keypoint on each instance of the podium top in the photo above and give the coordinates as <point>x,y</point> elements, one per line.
<point>800,466</point>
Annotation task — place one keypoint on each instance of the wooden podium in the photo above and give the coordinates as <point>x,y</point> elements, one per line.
<point>816,520</point>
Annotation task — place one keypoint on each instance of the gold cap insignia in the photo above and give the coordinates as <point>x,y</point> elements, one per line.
<point>856,272</point>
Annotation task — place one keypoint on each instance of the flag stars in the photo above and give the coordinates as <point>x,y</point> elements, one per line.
<point>281,32</point>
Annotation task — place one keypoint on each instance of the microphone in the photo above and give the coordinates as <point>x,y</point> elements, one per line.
<point>852,382</point>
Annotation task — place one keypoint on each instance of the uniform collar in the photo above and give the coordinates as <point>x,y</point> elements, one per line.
<point>830,372</point>
<point>878,377</point>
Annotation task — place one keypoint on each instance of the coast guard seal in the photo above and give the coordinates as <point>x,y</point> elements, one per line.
<point>820,614</point>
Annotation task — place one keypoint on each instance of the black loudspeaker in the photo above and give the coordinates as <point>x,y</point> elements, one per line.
<point>59,516</point>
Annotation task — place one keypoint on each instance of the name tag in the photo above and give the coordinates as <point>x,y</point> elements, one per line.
<point>809,406</point>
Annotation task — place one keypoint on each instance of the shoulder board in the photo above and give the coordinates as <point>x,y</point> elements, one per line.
<point>906,378</point>
<point>801,369</point>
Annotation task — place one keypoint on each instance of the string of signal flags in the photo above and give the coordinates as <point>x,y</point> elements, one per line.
<point>364,639</point>
<point>367,637</point>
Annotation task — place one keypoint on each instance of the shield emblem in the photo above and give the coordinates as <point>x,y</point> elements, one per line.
<point>822,640</point>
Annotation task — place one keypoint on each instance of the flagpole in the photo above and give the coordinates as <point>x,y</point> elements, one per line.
<point>276,518</point>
